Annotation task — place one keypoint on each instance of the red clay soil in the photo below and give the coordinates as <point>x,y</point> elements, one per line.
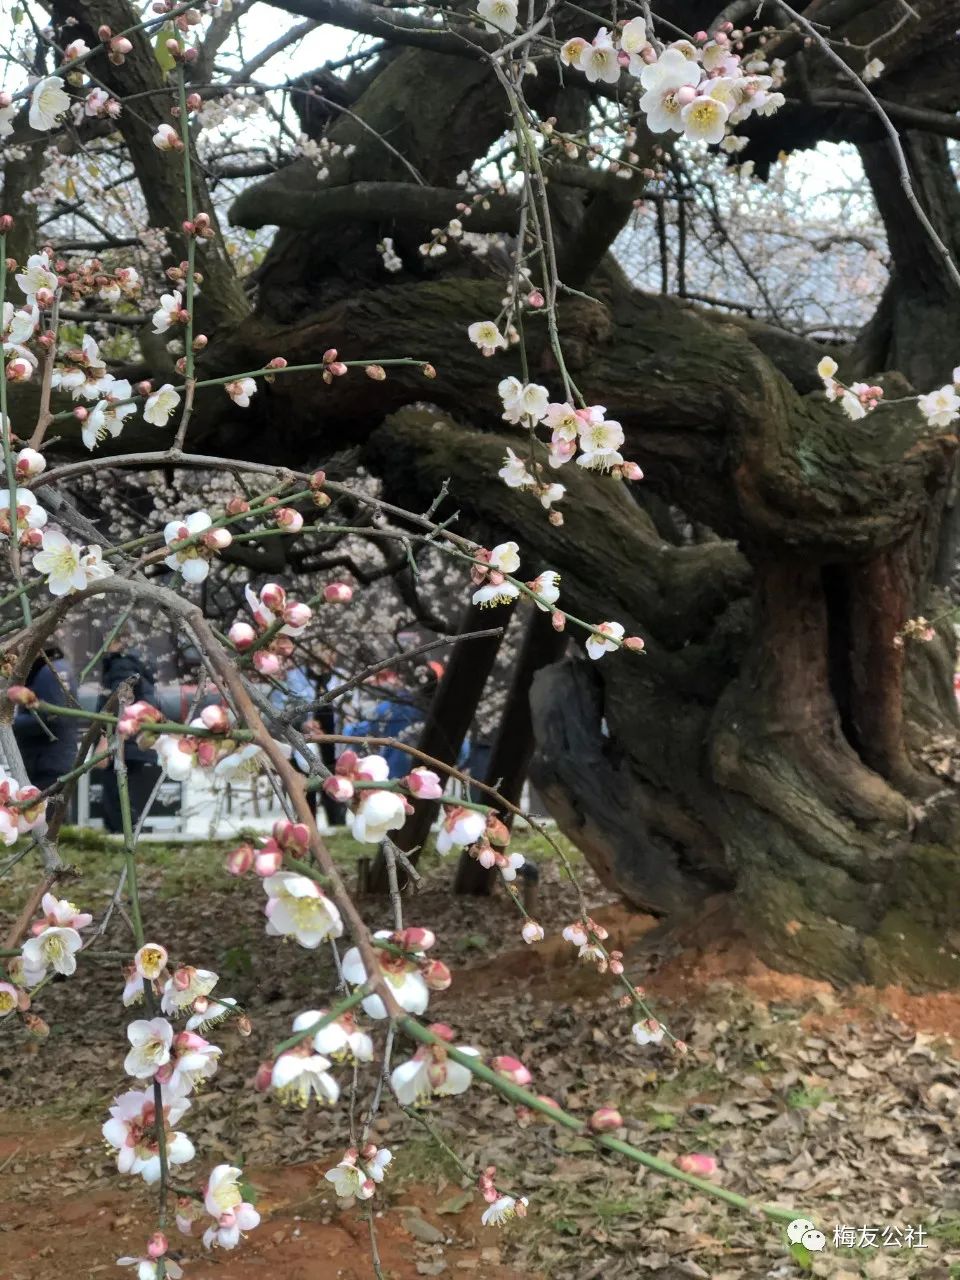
<point>302,1236</point>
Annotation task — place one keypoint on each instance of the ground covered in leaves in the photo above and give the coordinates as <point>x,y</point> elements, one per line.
<point>848,1110</point>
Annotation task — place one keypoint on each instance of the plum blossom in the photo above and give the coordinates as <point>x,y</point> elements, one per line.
<point>166,138</point>
<point>532,932</point>
<point>598,644</point>
<point>131,1129</point>
<point>9,999</point>
<point>107,416</point>
<point>503,1209</point>
<point>498,15</point>
<point>704,119</point>
<point>432,1071</point>
<point>600,439</point>
<point>401,973</point>
<point>573,50</point>
<point>669,84</point>
<point>941,407</point>
<point>150,1041</point>
<point>55,948</point>
<point>185,987</point>
<point>298,908</point>
<point>523,401</point>
<point>484,333</point>
<point>48,103</point>
<point>377,812</point>
<point>649,1031</point>
<point>193,561</point>
<point>29,515</point>
<point>223,1200</point>
<point>460,827</point>
<point>160,405</point>
<point>62,913</point>
<point>514,473</point>
<point>241,391</point>
<point>599,61</point>
<point>37,275</point>
<point>212,1013</point>
<point>338,1039</point>
<point>169,311</point>
<point>546,586</point>
<point>299,1073</point>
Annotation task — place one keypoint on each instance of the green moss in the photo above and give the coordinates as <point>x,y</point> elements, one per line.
<point>904,949</point>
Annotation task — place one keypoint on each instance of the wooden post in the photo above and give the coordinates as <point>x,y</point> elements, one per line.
<point>514,743</point>
<point>448,721</point>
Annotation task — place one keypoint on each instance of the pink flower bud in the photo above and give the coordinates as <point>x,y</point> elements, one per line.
<point>157,1245</point>
<point>347,763</point>
<point>244,1025</point>
<point>416,939</point>
<point>288,519</point>
<point>194,102</point>
<point>630,471</point>
<point>216,719</point>
<point>268,862</point>
<point>21,696</point>
<point>29,464</point>
<point>634,643</point>
<point>424,784</point>
<point>558,620</point>
<point>264,1077</point>
<point>535,298</point>
<point>442,1032</point>
<point>6,221</point>
<point>436,975</point>
<point>297,614</point>
<point>237,507</point>
<point>376,372</point>
<point>273,596</point>
<point>103,33</point>
<point>292,836</point>
<point>239,860</point>
<point>695,1162</point>
<point>341,789</point>
<point>268,664</point>
<point>511,1069</point>
<point>338,593</point>
<point>278,362</point>
<point>241,635</point>
<point>605,1120</point>
<point>330,355</point>
<point>531,931</point>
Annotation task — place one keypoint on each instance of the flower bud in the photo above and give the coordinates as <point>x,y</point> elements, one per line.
<point>288,519</point>
<point>535,298</point>
<point>239,860</point>
<point>36,1025</point>
<point>338,593</point>
<point>217,539</point>
<point>264,1077</point>
<point>605,1120</point>
<point>532,931</point>
<point>273,596</point>
<point>157,1245</point>
<point>194,102</point>
<point>292,836</point>
<point>278,362</point>
<point>511,1069</point>
<point>442,1032</point>
<point>376,372</point>
<point>216,719</point>
<point>633,643</point>
<point>340,789</point>
<point>268,862</point>
<point>297,614</point>
<point>428,371</point>
<point>121,45</point>
<point>424,784</point>
<point>244,1025</point>
<point>6,224</point>
<point>241,635</point>
<point>268,664</point>
<point>415,938</point>
<point>21,696</point>
<point>436,975</point>
<point>695,1162</point>
<point>237,507</point>
<point>630,471</point>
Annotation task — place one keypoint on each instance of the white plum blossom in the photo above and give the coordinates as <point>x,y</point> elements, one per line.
<point>160,405</point>
<point>514,473</point>
<point>300,1074</point>
<point>107,416</point>
<point>29,514</point>
<point>599,61</point>
<point>498,15</point>
<point>168,313</point>
<point>357,1174</point>
<point>131,1129</point>
<point>547,588</point>
<point>241,391</point>
<point>485,334</point>
<point>402,975</point>
<point>48,102</point>
<point>503,1209</point>
<point>338,1039</point>
<point>55,948</point>
<point>216,1011</point>
<point>941,407</point>
<point>298,908</point>
<point>505,557</point>
<point>223,1200</point>
<point>460,827</point>
<point>704,119</point>
<point>873,70</point>
<point>600,440</point>
<point>189,561</point>
<point>431,1071</point>
<point>185,986</point>
<point>166,138</point>
<point>147,1268</point>
<point>150,1041</point>
<point>523,401</point>
<point>37,276</point>
<point>192,1059</point>
<point>598,645</point>
<point>648,1032</point>
<point>67,565</point>
<point>663,80</point>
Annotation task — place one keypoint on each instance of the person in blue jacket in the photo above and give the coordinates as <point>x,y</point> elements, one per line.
<point>122,664</point>
<point>48,743</point>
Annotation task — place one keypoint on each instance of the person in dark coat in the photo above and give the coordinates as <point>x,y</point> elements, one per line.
<point>120,664</point>
<point>48,743</point>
